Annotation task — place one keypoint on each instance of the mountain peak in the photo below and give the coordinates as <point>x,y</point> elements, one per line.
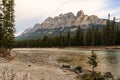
<point>62,22</point>
<point>94,17</point>
<point>49,19</point>
<point>80,13</point>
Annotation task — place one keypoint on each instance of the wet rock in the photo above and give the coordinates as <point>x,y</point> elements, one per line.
<point>118,79</point>
<point>109,75</point>
<point>86,71</point>
<point>78,69</point>
<point>66,66</point>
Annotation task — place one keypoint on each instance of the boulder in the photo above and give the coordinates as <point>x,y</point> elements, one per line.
<point>66,66</point>
<point>109,75</point>
<point>78,69</point>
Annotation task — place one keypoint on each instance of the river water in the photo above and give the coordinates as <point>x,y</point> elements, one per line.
<point>110,61</point>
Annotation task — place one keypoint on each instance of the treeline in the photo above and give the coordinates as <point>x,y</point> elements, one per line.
<point>95,36</point>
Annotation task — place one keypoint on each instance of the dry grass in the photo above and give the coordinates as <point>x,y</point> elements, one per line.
<point>74,59</point>
<point>44,63</point>
<point>10,74</point>
<point>38,64</point>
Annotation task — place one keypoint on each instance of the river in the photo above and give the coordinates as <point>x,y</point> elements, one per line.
<point>109,61</point>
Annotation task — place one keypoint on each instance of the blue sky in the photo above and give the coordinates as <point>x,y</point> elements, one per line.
<point>30,12</point>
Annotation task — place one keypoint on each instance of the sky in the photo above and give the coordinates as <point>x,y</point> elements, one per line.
<point>30,12</point>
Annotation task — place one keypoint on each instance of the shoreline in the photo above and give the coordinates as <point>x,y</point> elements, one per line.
<point>96,48</point>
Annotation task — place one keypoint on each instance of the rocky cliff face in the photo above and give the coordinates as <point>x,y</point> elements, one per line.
<point>63,21</point>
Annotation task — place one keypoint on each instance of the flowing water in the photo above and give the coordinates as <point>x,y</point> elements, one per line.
<point>110,61</point>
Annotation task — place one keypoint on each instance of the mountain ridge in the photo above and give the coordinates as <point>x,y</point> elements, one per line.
<point>63,22</point>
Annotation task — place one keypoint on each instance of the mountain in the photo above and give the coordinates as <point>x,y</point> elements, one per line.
<point>62,23</point>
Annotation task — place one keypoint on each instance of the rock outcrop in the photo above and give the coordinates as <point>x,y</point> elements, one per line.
<point>63,21</point>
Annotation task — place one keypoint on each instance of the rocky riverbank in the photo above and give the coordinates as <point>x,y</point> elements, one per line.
<point>47,63</point>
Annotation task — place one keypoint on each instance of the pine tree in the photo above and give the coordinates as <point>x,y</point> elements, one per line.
<point>1,25</point>
<point>84,37</point>
<point>45,41</point>
<point>113,31</point>
<point>7,20</point>
<point>89,37</point>
<point>118,34</point>
<point>93,36</point>
<point>93,60</point>
<point>78,36</point>
<point>107,32</point>
<point>68,38</point>
<point>61,39</point>
<point>97,37</point>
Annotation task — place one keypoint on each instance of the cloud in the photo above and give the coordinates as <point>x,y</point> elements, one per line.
<point>31,8</point>
<point>30,12</point>
<point>27,12</point>
<point>87,5</point>
<point>17,34</point>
